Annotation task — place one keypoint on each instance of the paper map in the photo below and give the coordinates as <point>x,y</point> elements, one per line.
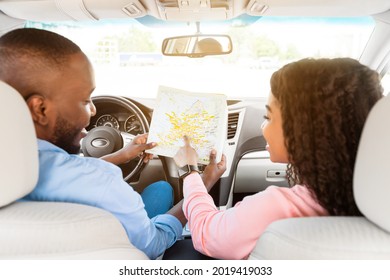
<point>200,116</point>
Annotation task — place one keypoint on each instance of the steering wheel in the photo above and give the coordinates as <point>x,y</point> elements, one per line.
<point>105,139</point>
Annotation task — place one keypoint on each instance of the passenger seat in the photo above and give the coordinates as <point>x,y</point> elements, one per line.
<point>366,237</point>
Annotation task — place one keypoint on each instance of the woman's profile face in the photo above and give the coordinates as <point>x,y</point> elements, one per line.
<point>273,131</point>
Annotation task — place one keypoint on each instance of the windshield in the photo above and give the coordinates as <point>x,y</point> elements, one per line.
<point>127,58</point>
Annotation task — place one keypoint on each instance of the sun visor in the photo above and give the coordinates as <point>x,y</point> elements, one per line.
<point>73,10</point>
<point>81,10</point>
<point>34,11</point>
<point>9,23</point>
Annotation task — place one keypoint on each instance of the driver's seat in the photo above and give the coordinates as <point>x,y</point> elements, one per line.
<point>366,237</point>
<point>46,230</point>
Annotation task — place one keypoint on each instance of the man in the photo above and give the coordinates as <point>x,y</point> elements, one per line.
<point>56,79</point>
<point>208,45</point>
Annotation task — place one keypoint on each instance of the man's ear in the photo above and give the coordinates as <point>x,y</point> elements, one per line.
<point>37,106</point>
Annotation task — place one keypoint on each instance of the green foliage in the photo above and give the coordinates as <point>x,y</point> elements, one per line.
<point>135,40</point>
<point>263,46</point>
<point>291,53</point>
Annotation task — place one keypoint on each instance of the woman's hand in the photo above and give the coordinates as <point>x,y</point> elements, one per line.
<point>186,154</point>
<point>213,170</point>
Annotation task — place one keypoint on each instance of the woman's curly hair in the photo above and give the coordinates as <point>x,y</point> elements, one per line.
<point>324,104</point>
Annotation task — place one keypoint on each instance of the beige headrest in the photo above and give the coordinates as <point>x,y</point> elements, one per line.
<point>372,168</point>
<point>18,144</point>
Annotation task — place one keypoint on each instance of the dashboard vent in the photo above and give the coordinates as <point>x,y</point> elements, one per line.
<point>232,125</point>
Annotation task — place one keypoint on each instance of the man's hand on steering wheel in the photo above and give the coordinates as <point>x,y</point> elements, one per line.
<point>135,148</point>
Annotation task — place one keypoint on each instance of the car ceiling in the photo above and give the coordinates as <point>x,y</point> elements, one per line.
<point>180,10</point>
<point>14,13</point>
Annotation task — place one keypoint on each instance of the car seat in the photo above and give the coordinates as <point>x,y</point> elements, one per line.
<point>366,237</point>
<point>46,230</point>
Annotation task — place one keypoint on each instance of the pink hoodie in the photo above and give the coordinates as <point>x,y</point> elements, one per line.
<point>233,233</point>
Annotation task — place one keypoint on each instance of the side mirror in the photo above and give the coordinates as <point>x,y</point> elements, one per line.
<point>197,45</point>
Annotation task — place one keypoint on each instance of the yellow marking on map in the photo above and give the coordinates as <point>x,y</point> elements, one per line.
<point>191,123</point>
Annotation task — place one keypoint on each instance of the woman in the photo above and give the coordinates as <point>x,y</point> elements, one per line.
<point>315,115</point>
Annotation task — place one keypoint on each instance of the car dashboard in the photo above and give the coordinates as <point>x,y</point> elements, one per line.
<point>244,142</point>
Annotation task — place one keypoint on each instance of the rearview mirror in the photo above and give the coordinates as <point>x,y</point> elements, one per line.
<point>197,45</point>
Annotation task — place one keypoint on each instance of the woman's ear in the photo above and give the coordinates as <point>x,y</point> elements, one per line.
<point>37,105</point>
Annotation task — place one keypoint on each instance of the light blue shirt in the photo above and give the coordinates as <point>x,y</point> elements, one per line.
<point>95,182</point>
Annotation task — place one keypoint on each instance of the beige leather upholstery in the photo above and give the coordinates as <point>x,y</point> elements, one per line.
<point>372,169</point>
<point>365,237</point>
<point>19,157</point>
<point>46,230</point>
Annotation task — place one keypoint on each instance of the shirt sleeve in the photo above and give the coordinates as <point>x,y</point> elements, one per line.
<point>152,236</point>
<point>233,233</point>
<point>94,182</point>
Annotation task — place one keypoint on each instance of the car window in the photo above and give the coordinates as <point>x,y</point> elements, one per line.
<point>127,55</point>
